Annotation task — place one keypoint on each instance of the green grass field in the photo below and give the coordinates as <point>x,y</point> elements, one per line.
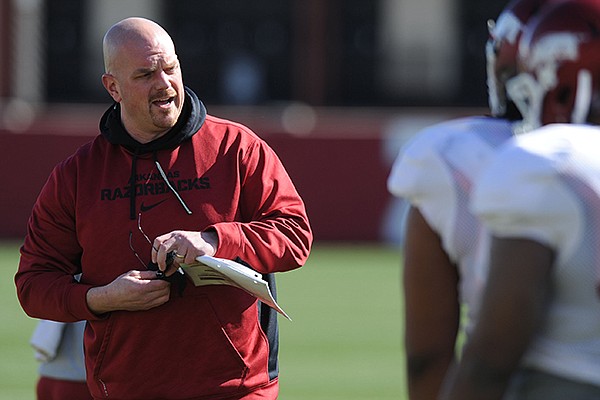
<point>344,342</point>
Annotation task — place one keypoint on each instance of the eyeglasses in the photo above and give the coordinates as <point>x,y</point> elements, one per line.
<point>178,278</point>
<point>152,266</point>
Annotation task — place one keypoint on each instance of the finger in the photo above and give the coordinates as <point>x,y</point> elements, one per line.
<point>162,252</point>
<point>148,275</point>
<point>180,249</point>
<point>157,292</point>
<point>155,245</point>
<point>157,287</point>
<point>190,257</point>
<point>158,300</point>
<point>172,269</point>
<point>181,253</point>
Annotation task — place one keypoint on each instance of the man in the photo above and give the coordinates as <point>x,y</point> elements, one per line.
<point>538,334</point>
<point>444,240</point>
<point>200,186</point>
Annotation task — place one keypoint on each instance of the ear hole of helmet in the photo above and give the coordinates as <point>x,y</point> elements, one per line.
<point>564,95</point>
<point>557,106</point>
<point>594,115</point>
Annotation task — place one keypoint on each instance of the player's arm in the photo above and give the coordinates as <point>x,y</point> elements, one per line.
<point>432,310</point>
<point>513,304</point>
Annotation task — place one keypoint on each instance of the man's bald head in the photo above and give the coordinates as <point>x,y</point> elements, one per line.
<point>143,75</point>
<point>131,31</point>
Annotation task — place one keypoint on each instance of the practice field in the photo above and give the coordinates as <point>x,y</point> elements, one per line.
<point>344,342</point>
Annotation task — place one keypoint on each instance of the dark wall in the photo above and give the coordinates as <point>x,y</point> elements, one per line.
<point>473,21</point>
<point>323,52</point>
<point>341,180</point>
<point>28,160</point>
<point>234,51</point>
<point>65,53</point>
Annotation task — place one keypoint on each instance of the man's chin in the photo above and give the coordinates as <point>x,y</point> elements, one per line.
<point>165,120</point>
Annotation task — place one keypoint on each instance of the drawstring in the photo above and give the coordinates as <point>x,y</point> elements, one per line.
<point>132,207</point>
<point>164,176</point>
<point>132,184</point>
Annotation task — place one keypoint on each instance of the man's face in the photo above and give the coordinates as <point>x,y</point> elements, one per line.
<point>148,84</point>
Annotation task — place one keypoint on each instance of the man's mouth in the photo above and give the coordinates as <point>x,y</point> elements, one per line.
<point>163,102</point>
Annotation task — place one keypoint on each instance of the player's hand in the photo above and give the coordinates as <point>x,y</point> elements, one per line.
<point>187,245</point>
<point>131,291</point>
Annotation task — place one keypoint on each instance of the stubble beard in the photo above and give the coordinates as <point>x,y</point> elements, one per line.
<point>164,119</point>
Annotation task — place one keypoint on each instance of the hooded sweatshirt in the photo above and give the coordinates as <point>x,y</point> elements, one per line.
<point>206,173</point>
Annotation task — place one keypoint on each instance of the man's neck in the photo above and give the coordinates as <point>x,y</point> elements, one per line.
<point>143,137</point>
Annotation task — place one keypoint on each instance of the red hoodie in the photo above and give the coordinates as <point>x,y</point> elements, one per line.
<point>210,342</point>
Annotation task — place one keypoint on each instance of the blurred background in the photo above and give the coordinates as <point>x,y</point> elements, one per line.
<point>335,86</point>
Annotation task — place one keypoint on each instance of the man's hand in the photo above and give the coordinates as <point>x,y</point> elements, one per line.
<point>187,245</point>
<point>132,291</point>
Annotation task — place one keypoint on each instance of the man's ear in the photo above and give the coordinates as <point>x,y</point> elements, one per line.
<point>112,87</point>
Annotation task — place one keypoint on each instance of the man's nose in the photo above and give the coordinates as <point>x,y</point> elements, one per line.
<point>162,80</point>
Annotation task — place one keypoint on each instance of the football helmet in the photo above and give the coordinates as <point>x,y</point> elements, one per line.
<point>559,66</point>
<point>501,49</point>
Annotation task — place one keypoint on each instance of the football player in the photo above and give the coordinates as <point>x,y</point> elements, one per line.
<point>435,172</point>
<point>538,332</point>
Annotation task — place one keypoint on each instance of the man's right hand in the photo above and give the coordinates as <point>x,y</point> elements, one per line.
<point>132,291</point>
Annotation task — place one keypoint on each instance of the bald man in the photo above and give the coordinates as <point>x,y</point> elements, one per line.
<point>163,178</point>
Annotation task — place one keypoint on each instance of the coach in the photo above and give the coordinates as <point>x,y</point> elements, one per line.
<point>224,193</point>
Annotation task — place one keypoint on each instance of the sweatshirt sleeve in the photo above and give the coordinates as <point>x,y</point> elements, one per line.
<point>275,234</point>
<point>50,256</point>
